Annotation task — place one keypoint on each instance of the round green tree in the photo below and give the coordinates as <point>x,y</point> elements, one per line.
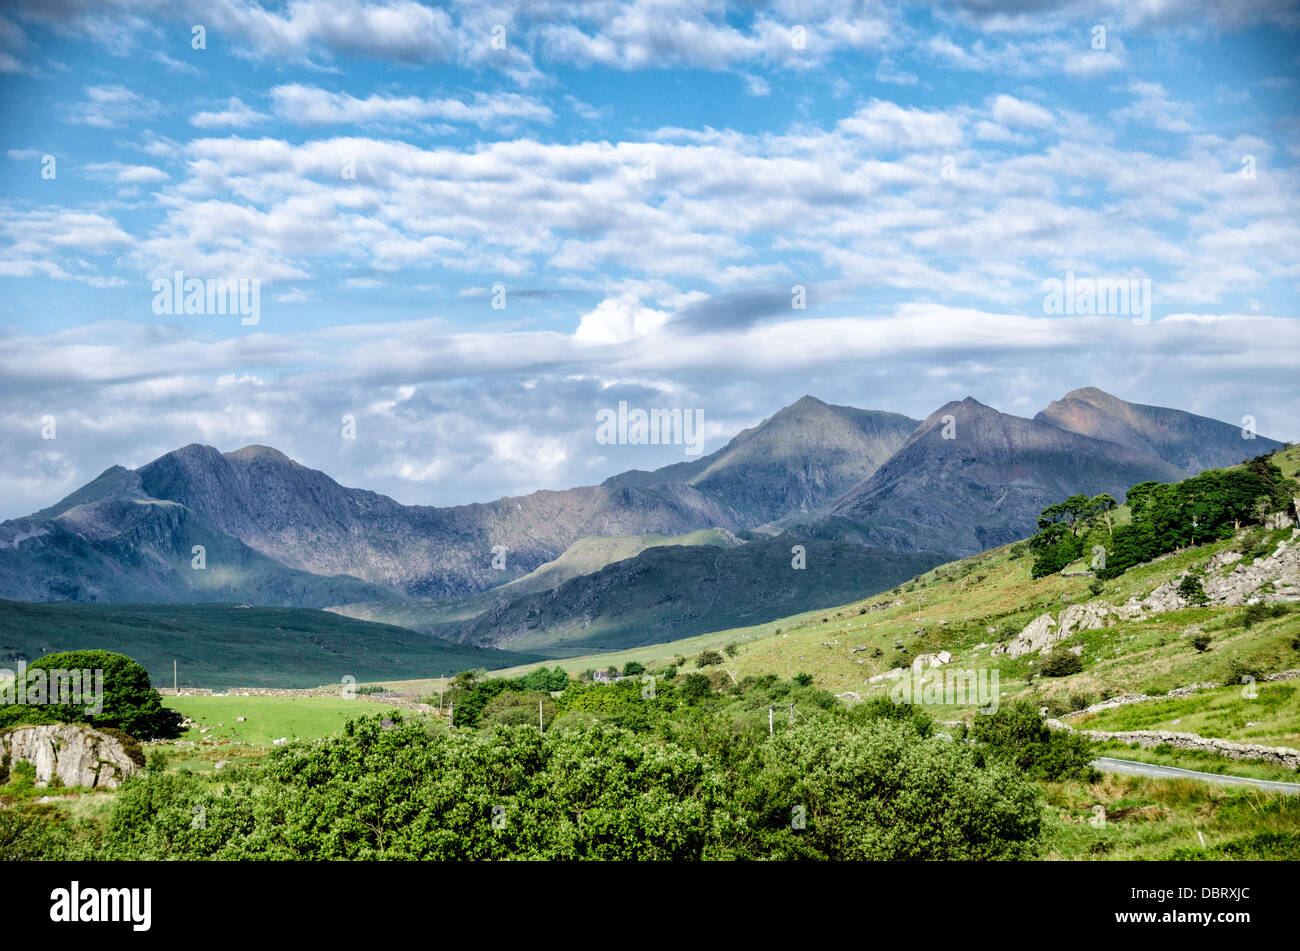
<point>129,702</point>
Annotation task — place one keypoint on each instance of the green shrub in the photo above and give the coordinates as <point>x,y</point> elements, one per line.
<point>695,687</point>
<point>1192,590</point>
<point>35,832</point>
<point>884,708</point>
<point>1061,663</point>
<point>517,708</point>
<point>1080,701</point>
<point>1018,734</point>
<point>1243,671</point>
<point>879,793</point>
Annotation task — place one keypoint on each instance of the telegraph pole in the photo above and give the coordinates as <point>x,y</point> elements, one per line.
<point>175,686</point>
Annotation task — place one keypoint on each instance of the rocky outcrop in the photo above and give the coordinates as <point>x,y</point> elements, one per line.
<point>77,754</point>
<point>1241,585</point>
<point>1036,635</point>
<point>937,659</point>
<point>1083,617</point>
<point>1042,632</point>
<point>1279,571</point>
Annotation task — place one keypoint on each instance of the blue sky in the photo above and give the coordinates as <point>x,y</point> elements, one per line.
<point>647,182</point>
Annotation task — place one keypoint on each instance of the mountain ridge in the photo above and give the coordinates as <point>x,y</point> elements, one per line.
<point>967,477</point>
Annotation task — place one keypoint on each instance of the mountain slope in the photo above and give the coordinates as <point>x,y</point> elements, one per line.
<point>258,498</point>
<point>1192,443</point>
<point>670,592</point>
<point>119,549</point>
<point>971,478</point>
<point>223,645</point>
<point>585,556</point>
<point>796,461</point>
<point>975,606</point>
<point>283,533</point>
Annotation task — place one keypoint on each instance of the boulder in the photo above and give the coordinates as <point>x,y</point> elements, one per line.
<point>77,754</point>
<point>1036,635</point>
<point>1083,617</point>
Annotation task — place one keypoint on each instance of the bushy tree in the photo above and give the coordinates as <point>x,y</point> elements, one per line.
<point>1165,517</point>
<point>1191,589</point>
<point>880,793</point>
<point>695,687</point>
<point>1018,734</point>
<point>130,703</point>
<point>1061,662</point>
<point>401,793</point>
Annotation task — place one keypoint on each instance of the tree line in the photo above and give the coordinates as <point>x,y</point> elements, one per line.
<point>1163,517</point>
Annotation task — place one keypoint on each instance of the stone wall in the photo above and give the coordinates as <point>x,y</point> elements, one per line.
<point>1281,755</point>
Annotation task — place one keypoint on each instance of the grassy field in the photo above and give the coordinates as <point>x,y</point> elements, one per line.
<point>268,718</point>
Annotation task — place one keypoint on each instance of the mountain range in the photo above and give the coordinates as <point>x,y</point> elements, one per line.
<point>880,496</point>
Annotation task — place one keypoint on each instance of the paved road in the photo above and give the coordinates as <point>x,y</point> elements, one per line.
<point>1132,768</point>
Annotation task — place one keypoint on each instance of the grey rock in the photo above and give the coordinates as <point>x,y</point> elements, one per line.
<point>77,754</point>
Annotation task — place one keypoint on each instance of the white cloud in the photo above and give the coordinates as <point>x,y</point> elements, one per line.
<point>1153,107</point>
<point>1011,111</point>
<point>233,115</point>
<point>126,174</point>
<point>312,105</point>
<point>617,319</point>
<point>109,106</point>
<point>885,125</point>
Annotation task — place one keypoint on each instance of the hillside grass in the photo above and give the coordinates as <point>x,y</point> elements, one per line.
<point>970,606</point>
<point>1159,819</point>
<point>1271,717</point>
